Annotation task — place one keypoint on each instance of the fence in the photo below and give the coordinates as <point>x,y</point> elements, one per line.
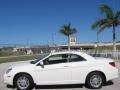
<point>103,53</point>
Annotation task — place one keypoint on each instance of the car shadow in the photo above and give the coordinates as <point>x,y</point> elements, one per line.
<point>109,83</point>
<point>9,86</point>
<point>59,86</point>
<point>67,86</point>
<point>71,86</point>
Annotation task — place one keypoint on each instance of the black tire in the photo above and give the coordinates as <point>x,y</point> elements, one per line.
<point>95,80</point>
<point>20,85</point>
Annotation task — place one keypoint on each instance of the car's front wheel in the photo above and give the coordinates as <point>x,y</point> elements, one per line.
<point>95,80</point>
<point>24,82</point>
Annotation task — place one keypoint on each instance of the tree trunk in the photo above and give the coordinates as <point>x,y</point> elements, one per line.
<point>97,35</point>
<point>114,42</point>
<point>68,42</point>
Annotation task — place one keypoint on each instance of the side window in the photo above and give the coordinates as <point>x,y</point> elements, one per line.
<point>76,58</point>
<point>55,59</point>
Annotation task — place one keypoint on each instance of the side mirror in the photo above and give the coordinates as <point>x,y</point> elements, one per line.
<point>42,64</point>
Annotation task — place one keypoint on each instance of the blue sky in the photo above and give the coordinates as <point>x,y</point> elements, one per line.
<point>37,21</point>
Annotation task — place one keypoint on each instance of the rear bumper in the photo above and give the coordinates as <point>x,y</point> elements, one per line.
<point>112,75</point>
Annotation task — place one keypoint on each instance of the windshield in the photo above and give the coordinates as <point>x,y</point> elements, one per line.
<point>40,58</point>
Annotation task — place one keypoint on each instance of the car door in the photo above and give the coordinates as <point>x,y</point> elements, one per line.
<point>78,68</point>
<point>55,70</point>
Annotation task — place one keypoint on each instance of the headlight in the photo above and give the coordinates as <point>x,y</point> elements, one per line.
<point>8,70</point>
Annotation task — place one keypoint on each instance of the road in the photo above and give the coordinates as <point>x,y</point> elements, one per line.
<point>113,85</point>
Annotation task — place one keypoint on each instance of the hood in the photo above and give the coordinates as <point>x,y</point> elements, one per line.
<point>24,65</point>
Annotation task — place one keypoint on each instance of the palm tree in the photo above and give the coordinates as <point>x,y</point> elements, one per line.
<point>67,30</point>
<point>111,19</point>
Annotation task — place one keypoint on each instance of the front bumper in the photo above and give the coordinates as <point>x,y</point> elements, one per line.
<point>8,79</point>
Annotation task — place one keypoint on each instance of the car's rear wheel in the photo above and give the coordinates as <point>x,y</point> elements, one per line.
<point>95,80</point>
<point>24,82</point>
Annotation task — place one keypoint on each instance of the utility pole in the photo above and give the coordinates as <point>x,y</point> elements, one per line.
<point>53,38</point>
<point>28,42</point>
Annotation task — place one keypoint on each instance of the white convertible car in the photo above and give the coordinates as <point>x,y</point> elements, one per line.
<point>62,68</point>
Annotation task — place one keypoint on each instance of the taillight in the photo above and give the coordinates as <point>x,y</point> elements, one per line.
<point>112,64</point>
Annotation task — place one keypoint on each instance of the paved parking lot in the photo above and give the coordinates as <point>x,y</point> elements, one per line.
<point>113,85</point>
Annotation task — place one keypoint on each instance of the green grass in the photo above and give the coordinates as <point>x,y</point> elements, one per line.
<point>17,58</point>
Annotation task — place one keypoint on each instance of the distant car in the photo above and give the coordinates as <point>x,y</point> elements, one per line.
<point>62,68</point>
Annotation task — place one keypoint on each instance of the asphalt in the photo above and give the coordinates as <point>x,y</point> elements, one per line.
<point>112,85</point>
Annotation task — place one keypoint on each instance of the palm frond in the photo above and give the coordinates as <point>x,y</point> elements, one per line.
<point>117,15</point>
<point>102,28</point>
<point>62,31</point>
<point>95,24</point>
<point>75,31</point>
<point>116,22</point>
<point>72,31</point>
<point>67,30</point>
<point>107,10</point>
<point>69,25</point>
<point>99,23</point>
